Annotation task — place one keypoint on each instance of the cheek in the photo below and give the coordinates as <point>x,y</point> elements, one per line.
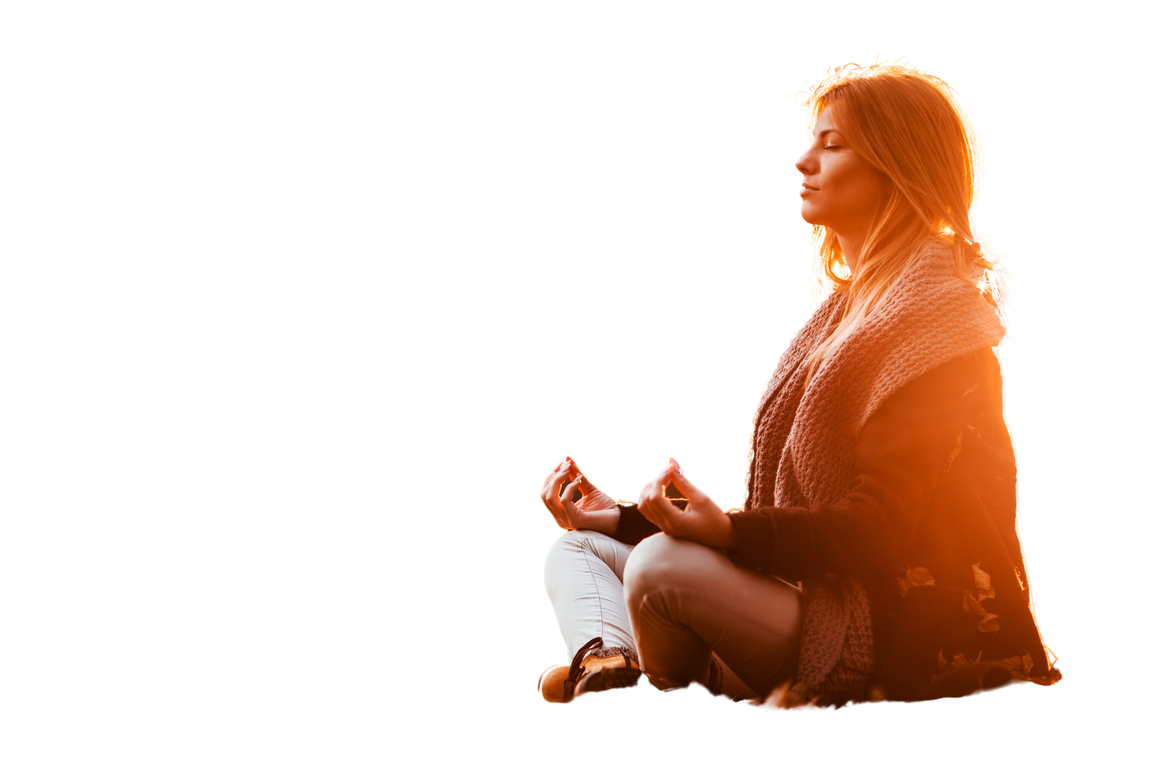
<point>864,187</point>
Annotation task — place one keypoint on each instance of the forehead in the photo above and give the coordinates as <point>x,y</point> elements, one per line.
<point>824,123</point>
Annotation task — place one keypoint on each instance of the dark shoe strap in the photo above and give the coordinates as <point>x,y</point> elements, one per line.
<point>575,669</point>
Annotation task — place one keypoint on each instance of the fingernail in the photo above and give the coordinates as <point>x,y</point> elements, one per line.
<point>568,463</point>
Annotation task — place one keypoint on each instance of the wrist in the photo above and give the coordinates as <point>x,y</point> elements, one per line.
<point>726,536</point>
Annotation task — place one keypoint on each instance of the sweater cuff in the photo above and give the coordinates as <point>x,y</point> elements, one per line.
<point>756,540</point>
<point>632,527</point>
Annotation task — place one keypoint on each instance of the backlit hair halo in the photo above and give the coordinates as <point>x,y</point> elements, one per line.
<point>1002,264</point>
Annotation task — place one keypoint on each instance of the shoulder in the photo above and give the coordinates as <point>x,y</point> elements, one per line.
<point>960,377</point>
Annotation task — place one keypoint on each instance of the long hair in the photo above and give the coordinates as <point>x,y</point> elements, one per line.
<point>911,127</point>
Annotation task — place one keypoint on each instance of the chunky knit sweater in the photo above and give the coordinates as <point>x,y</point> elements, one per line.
<point>848,477</point>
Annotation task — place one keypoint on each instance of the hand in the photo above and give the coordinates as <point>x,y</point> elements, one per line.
<point>702,520</point>
<point>595,510</point>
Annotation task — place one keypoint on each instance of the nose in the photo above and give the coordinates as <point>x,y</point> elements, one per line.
<point>797,165</point>
<point>806,163</point>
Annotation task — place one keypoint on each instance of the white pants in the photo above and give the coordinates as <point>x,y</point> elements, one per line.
<point>675,603</point>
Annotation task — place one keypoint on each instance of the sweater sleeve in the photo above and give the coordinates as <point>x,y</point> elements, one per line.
<point>901,451</point>
<point>632,527</point>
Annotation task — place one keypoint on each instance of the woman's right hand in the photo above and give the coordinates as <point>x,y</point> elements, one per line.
<point>595,511</point>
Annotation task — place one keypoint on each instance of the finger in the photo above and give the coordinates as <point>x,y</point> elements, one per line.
<point>550,495</point>
<point>642,489</point>
<point>658,485</point>
<point>553,487</point>
<point>546,482</point>
<point>578,474</point>
<point>684,485</point>
<point>652,495</point>
<point>586,486</point>
<point>676,520</point>
<point>664,479</point>
<point>567,473</point>
<point>643,500</point>
<point>668,517</point>
<point>567,493</point>
<point>690,489</point>
<point>653,516</point>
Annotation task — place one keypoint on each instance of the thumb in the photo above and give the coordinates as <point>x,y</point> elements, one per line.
<point>569,489</point>
<point>681,483</point>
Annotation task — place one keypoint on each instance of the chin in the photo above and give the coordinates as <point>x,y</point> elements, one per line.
<point>805,211</point>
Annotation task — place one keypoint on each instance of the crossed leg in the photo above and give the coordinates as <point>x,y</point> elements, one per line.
<point>687,601</point>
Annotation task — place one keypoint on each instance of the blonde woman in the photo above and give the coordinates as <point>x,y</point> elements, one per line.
<point>876,556</point>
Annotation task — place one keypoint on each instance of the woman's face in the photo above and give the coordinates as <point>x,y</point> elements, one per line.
<point>841,189</point>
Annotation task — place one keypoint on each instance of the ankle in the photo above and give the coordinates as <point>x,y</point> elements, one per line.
<point>614,662</point>
<point>611,656</point>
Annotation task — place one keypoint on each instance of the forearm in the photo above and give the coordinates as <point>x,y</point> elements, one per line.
<point>600,521</point>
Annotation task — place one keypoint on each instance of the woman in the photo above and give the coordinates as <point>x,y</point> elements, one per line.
<point>876,555</point>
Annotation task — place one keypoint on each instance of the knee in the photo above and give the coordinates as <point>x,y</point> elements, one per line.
<point>568,544</point>
<point>654,564</point>
<point>572,541</point>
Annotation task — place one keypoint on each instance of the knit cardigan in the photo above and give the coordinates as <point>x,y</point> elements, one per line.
<point>932,334</point>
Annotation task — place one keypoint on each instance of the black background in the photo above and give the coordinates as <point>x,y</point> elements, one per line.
<point>637,271</point>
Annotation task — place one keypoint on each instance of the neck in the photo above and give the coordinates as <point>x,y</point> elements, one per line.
<point>851,242</point>
<point>851,245</point>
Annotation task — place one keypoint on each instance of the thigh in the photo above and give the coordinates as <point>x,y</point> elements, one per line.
<point>751,621</point>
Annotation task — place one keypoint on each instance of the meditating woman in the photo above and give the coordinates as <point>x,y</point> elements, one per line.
<point>876,556</point>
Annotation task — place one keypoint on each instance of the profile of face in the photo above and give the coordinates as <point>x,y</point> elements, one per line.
<point>841,189</point>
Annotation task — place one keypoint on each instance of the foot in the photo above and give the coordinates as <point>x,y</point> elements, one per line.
<point>624,673</point>
<point>600,675</point>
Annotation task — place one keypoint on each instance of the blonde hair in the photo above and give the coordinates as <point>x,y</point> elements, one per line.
<point>911,127</point>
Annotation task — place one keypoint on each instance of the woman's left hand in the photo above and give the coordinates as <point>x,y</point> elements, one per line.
<point>702,521</point>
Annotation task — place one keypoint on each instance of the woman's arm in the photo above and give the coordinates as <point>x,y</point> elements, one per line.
<point>903,448</point>
<point>601,521</point>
